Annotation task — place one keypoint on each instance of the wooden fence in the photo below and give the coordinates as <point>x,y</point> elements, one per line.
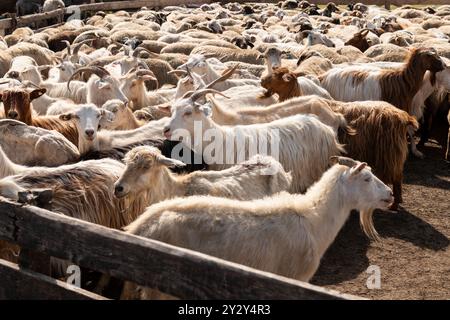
<point>9,24</point>
<point>180,272</point>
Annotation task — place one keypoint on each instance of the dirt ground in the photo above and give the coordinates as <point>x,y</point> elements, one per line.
<point>414,253</point>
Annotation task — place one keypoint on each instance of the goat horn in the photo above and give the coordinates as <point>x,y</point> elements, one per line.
<point>144,72</point>
<point>77,47</point>
<point>345,161</point>
<point>138,50</point>
<point>198,94</point>
<point>178,71</point>
<point>224,77</point>
<point>97,70</point>
<point>67,43</point>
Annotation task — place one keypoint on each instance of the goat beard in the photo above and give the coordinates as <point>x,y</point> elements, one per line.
<point>366,222</point>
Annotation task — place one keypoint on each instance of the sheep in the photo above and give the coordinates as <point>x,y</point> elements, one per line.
<point>312,64</point>
<point>17,105</point>
<point>396,86</point>
<point>33,146</point>
<point>272,225</point>
<point>24,7</point>
<point>187,116</point>
<point>359,40</point>
<point>227,54</point>
<point>42,56</point>
<point>287,85</point>
<point>147,175</point>
<point>380,138</point>
<point>300,105</point>
<point>313,38</point>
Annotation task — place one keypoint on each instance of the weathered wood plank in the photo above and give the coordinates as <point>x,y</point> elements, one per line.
<point>16,283</point>
<point>183,273</point>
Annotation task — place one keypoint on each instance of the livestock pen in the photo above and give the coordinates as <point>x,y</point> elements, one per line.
<point>414,252</point>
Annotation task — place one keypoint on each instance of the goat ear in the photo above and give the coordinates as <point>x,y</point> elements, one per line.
<point>358,168</point>
<point>287,77</point>
<point>66,116</point>
<point>165,108</point>
<point>171,163</point>
<point>37,93</point>
<point>364,33</point>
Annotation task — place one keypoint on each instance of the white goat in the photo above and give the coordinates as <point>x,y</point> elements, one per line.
<point>301,143</point>
<point>284,234</point>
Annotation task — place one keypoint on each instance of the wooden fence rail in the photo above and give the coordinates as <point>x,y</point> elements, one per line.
<point>180,272</point>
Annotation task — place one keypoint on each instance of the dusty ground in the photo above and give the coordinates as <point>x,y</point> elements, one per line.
<point>414,253</point>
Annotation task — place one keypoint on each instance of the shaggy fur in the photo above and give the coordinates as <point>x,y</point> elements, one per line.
<point>284,234</point>
<point>380,140</point>
<point>147,175</point>
<point>300,105</point>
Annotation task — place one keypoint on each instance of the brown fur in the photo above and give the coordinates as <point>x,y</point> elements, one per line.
<point>274,83</point>
<point>399,86</point>
<point>19,101</point>
<point>380,140</point>
<point>359,40</point>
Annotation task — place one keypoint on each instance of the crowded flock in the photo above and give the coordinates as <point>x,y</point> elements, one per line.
<point>248,132</point>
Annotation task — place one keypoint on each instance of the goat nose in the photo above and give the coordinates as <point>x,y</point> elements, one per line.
<point>13,114</point>
<point>13,74</point>
<point>89,132</point>
<point>118,189</point>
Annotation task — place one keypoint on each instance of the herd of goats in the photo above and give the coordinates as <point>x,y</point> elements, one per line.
<point>92,110</point>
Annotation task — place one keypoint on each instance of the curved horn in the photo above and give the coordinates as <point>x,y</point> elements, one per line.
<point>99,71</point>
<point>77,47</point>
<point>198,94</point>
<point>146,72</point>
<point>138,50</point>
<point>67,43</point>
<point>224,77</point>
<point>349,162</point>
<point>178,71</point>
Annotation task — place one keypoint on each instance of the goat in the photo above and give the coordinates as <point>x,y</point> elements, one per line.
<point>396,86</point>
<point>300,105</point>
<point>147,175</point>
<point>288,84</point>
<point>380,138</point>
<point>101,87</point>
<point>305,160</point>
<point>17,105</point>
<point>33,146</point>
<point>123,117</point>
<point>268,225</point>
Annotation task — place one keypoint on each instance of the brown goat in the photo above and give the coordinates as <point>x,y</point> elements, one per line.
<point>284,82</point>
<point>359,40</point>
<point>17,105</point>
<point>380,140</point>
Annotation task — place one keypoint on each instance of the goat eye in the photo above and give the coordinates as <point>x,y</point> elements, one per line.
<point>368,179</point>
<point>188,113</point>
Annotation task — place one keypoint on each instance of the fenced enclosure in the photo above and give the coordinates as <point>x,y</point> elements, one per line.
<point>182,273</point>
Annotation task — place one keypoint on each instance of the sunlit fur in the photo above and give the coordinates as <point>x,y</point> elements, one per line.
<point>147,175</point>
<point>284,234</point>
